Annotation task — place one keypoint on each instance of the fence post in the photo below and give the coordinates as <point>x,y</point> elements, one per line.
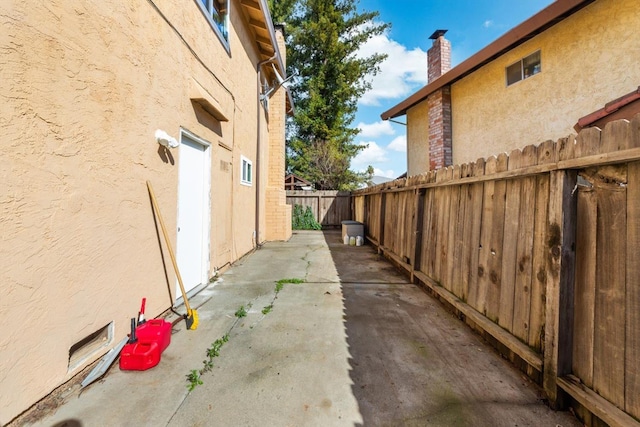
<point>560,274</point>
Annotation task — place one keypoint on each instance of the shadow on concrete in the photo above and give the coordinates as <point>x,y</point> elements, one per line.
<point>415,364</point>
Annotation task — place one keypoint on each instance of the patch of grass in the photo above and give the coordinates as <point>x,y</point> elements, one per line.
<point>279,287</point>
<point>294,281</point>
<point>267,309</point>
<point>280,283</point>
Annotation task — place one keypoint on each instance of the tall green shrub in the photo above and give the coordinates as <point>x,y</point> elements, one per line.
<point>302,219</point>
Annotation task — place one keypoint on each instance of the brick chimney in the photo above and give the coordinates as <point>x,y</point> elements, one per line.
<point>439,103</point>
<point>439,56</point>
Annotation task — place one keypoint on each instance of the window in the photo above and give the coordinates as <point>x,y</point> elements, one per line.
<point>247,171</point>
<point>218,12</point>
<point>524,68</point>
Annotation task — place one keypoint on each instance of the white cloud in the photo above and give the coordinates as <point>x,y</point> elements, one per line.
<point>400,74</point>
<point>371,154</point>
<point>398,144</point>
<point>488,23</point>
<point>375,130</point>
<point>387,174</point>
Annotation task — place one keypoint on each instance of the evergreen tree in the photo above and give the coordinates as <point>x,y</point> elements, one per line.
<point>281,10</point>
<point>324,37</point>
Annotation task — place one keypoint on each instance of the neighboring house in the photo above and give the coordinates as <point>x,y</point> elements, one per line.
<point>625,107</point>
<point>376,180</point>
<point>530,85</point>
<point>85,86</point>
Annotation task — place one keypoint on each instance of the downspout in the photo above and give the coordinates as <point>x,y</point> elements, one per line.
<point>258,140</point>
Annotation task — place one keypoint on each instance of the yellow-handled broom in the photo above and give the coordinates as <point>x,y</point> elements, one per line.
<point>191,318</point>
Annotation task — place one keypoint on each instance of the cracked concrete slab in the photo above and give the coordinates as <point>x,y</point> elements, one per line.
<point>355,345</point>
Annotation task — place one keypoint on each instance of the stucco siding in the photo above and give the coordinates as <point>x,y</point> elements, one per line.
<point>587,60</point>
<point>418,139</point>
<point>84,85</point>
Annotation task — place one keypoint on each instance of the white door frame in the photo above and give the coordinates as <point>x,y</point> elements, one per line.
<point>206,222</point>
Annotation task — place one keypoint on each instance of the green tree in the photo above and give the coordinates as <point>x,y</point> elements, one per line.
<point>324,37</point>
<point>281,10</point>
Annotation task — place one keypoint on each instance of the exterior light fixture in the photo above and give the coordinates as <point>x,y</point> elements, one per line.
<point>165,139</point>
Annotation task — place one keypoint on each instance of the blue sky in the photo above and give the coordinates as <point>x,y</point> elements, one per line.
<point>472,25</point>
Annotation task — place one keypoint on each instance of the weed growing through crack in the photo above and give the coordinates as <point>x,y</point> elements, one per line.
<point>194,377</point>
<point>279,287</point>
<point>280,283</point>
<point>242,312</point>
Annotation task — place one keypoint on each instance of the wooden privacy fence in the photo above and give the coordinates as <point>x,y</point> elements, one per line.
<point>330,208</point>
<point>539,251</point>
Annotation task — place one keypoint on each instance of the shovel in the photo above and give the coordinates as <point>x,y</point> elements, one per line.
<point>191,318</point>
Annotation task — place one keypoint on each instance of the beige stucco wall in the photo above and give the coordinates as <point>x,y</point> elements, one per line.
<point>418,139</point>
<point>587,60</point>
<point>84,87</point>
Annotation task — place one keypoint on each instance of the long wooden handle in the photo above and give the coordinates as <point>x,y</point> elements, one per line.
<point>166,239</point>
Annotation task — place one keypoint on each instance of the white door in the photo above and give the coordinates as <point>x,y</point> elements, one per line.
<point>193,213</point>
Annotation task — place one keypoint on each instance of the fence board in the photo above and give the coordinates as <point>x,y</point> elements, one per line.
<point>407,228</point>
<point>539,261</point>
<point>616,136</point>
<point>585,287</point>
<point>484,252</point>
<point>496,242</point>
<point>388,224</point>
<point>442,198</point>
<point>524,250</point>
<point>511,217</point>
<point>587,142</point>
<point>382,219</point>
<point>429,225</point>
<point>418,225</point>
<point>608,357</point>
<point>632,350</point>
<point>461,254</point>
<point>472,246</point>
<point>454,209</point>
<point>456,266</point>
<point>560,268</point>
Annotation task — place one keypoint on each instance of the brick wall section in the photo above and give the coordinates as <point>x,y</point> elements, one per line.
<point>439,105</point>
<point>278,213</point>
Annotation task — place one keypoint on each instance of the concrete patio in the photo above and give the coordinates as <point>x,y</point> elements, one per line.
<point>354,345</point>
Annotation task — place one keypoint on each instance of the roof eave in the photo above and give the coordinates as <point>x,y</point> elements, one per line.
<point>259,19</point>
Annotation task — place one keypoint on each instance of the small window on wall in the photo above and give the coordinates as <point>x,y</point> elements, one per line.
<point>524,68</point>
<point>247,171</point>
<point>218,12</point>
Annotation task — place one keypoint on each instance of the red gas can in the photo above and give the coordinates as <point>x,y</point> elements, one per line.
<point>139,356</point>
<point>155,330</point>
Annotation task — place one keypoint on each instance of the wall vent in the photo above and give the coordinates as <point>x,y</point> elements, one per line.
<point>89,346</point>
